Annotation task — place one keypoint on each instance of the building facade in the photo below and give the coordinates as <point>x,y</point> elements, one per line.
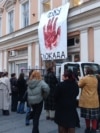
<point>19,44</point>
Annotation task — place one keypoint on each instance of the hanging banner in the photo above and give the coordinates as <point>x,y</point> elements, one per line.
<point>52,33</point>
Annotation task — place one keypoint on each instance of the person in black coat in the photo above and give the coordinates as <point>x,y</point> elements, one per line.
<point>22,86</point>
<point>65,98</point>
<point>14,92</point>
<point>49,104</point>
<point>76,74</point>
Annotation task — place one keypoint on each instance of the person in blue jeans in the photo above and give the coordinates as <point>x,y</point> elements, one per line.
<point>28,116</point>
<point>28,110</point>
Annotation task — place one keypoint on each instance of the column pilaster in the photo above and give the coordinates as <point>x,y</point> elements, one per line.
<point>5,60</point>
<point>97,44</point>
<point>37,55</point>
<point>84,45</point>
<point>30,56</point>
<point>1,65</point>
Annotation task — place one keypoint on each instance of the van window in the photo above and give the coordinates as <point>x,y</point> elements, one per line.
<point>95,67</point>
<point>58,72</point>
<point>74,67</point>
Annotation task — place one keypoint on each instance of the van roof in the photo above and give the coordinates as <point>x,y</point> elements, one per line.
<point>79,62</point>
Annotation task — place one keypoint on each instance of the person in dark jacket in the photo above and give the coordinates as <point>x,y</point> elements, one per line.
<point>65,98</point>
<point>49,104</point>
<point>14,92</point>
<point>21,84</point>
<point>76,74</point>
<point>36,90</point>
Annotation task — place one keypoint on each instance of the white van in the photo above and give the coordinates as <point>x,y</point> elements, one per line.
<point>78,67</point>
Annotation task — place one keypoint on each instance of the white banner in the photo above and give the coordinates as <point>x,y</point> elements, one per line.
<point>52,33</point>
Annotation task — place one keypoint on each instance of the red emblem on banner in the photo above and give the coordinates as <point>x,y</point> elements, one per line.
<point>51,33</point>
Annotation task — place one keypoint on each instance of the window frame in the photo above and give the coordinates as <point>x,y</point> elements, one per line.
<point>72,3</point>
<point>44,4</point>
<point>9,30</point>
<point>20,16</point>
<point>40,5</point>
<point>0,26</point>
<point>9,10</point>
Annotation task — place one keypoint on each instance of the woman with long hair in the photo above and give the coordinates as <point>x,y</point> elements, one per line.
<point>14,90</point>
<point>21,84</point>
<point>65,97</point>
<point>37,89</point>
<point>49,104</point>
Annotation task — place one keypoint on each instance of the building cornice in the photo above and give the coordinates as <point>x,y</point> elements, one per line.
<point>9,3</point>
<point>85,7</point>
<point>19,41</point>
<point>20,32</point>
<point>87,15</point>
<point>21,37</point>
<point>17,58</point>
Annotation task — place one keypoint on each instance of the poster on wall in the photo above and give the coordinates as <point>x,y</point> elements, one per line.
<point>52,32</point>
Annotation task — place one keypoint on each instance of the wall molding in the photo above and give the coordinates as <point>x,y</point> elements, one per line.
<point>9,3</point>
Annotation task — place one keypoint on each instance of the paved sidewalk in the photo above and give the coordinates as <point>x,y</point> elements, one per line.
<point>15,123</point>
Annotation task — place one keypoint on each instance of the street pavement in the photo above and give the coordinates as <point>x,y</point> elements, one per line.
<point>15,123</point>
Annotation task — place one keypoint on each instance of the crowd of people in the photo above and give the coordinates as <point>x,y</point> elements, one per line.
<point>59,98</point>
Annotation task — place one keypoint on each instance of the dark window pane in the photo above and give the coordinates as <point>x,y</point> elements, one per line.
<point>70,42</point>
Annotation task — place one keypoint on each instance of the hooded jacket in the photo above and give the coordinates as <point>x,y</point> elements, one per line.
<point>35,90</point>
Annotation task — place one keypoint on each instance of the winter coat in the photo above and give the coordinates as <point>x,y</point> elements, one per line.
<point>22,86</point>
<point>89,93</point>
<point>65,99</point>
<point>35,91</point>
<point>14,87</point>
<point>51,80</point>
<point>5,91</point>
